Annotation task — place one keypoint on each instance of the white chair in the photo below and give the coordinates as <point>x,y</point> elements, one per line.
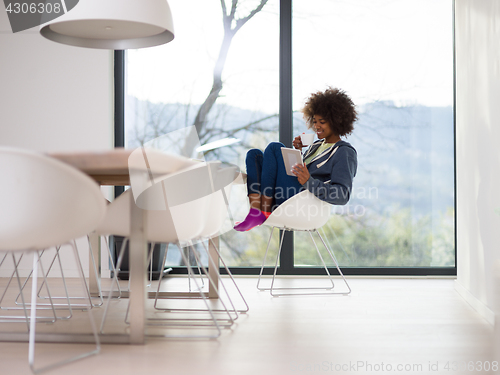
<point>221,221</point>
<point>302,212</point>
<point>144,159</point>
<point>67,304</point>
<point>180,190</point>
<point>177,210</point>
<point>38,211</point>
<point>219,214</point>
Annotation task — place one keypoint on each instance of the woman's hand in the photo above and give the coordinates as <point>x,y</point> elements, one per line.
<point>297,143</point>
<point>302,173</point>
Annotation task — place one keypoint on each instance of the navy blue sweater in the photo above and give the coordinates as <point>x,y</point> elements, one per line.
<point>332,173</point>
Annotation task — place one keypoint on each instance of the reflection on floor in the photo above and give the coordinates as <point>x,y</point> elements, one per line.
<point>386,325</point>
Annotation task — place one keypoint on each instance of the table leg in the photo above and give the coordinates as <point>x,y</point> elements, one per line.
<point>95,253</point>
<point>213,271</point>
<point>137,264</point>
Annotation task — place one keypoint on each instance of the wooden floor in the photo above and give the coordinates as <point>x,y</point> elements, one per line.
<point>401,326</point>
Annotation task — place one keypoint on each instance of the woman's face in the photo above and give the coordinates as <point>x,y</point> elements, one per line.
<point>322,128</point>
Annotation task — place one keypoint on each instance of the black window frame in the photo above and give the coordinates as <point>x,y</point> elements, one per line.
<point>287,266</point>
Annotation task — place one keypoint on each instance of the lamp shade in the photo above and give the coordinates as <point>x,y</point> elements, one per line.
<point>113,24</point>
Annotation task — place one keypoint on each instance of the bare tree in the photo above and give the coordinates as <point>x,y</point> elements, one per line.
<point>232,24</point>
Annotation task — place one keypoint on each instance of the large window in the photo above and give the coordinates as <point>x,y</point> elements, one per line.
<point>394,57</point>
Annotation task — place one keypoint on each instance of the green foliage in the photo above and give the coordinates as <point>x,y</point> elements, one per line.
<point>395,239</point>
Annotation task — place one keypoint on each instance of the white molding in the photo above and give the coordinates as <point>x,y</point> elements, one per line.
<point>475,303</point>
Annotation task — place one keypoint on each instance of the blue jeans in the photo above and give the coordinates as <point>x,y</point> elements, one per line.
<point>266,174</point>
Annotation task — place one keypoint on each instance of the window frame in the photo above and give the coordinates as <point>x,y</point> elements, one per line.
<point>286,266</point>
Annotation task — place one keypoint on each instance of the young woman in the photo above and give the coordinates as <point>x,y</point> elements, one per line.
<point>329,164</point>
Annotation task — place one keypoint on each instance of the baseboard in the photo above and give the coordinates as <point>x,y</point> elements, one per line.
<point>475,303</point>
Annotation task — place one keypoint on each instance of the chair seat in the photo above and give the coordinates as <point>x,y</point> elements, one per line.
<point>177,210</point>
<point>303,211</point>
<point>38,201</point>
<point>45,203</point>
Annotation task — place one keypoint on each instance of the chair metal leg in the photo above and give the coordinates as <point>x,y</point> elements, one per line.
<point>10,278</point>
<point>79,265</point>
<point>205,300</point>
<point>10,281</point>
<point>3,259</point>
<point>328,289</point>
<point>20,291</point>
<point>32,329</point>
<point>24,317</point>
<point>47,287</point>
<point>276,263</point>
<point>232,278</point>
<point>24,304</point>
<point>51,304</point>
<point>336,264</point>
<point>229,320</point>
<point>179,321</point>
<point>264,261</point>
<point>80,269</point>
<point>68,301</point>
<point>32,332</point>
<point>214,266</point>
<point>190,323</point>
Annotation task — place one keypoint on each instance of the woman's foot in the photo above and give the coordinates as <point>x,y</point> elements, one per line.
<point>254,218</point>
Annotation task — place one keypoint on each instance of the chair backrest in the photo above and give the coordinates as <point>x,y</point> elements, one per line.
<point>160,226</point>
<point>117,218</point>
<point>176,188</point>
<point>188,195</point>
<point>148,166</point>
<point>44,202</point>
<point>178,207</point>
<point>303,211</point>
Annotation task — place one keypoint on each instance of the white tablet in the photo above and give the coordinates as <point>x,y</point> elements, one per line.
<point>291,157</point>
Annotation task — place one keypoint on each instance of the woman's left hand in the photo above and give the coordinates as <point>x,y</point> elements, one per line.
<point>300,170</point>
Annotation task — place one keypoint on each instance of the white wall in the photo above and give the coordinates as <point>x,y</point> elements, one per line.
<point>478,150</point>
<point>54,97</point>
<point>59,98</point>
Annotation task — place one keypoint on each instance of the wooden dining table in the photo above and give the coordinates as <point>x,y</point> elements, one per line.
<point>114,167</point>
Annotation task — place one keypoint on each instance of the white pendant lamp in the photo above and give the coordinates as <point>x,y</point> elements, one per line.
<point>113,24</point>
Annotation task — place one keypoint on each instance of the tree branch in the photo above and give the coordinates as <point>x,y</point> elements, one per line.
<point>229,33</point>
<point>242,21</point>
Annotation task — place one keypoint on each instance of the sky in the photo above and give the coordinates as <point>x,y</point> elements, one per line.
<point>396,50</point>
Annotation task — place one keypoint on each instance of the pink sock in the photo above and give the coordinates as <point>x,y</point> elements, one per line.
<point>267,214</point>
<point>254,218</point>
